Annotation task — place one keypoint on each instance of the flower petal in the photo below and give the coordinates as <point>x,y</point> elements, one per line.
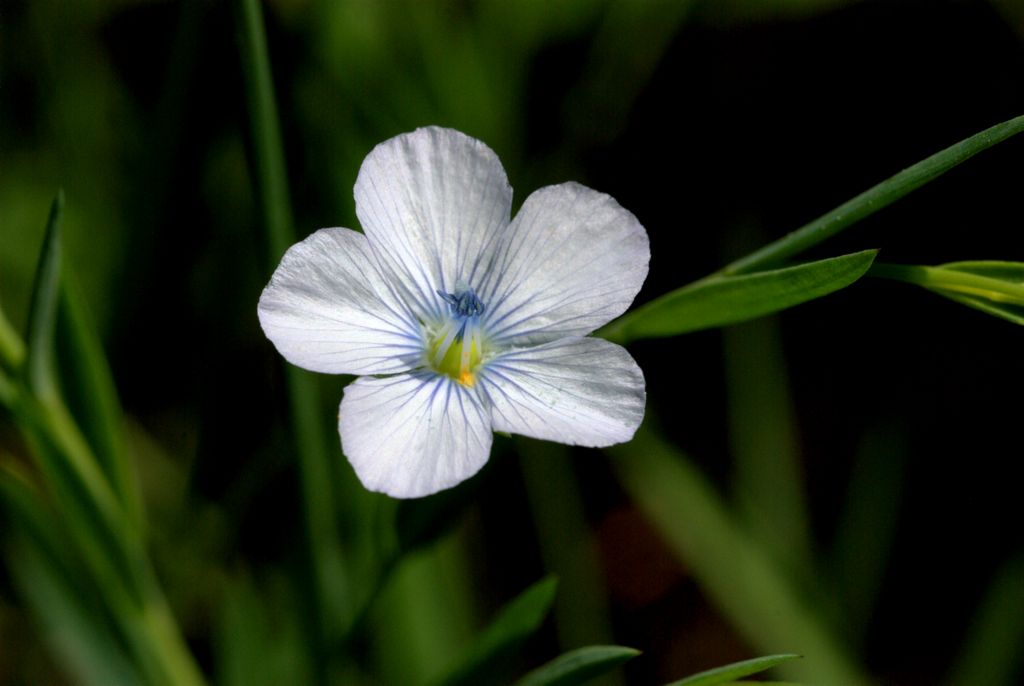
<point>327,309</point>
<point>581,391</point>
<point>433,203</point>
<point>413,434</point>
<point>572,260</point>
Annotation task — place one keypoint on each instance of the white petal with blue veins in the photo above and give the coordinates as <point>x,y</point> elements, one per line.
<point>327,309</point>
<point>433,203</point>
<point>582,391</point>
<point>572,260</point>
<point>413,434</point>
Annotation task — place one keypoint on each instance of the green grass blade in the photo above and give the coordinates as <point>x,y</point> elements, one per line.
<point>72,630</point>
<point>53,586</point>
<point>996,288</point>
<point>581,611</point>
<point>729,673</point>
<point>317,497</point>
<point>89,390</point>
<point>579,666</point>
<point>767,478</point>
<point>764,605</point>
<point>42,321</point>
<point>864,535</point>
<point>991,654</point>
<point>720,301</point>
<point>519,619</point>
<point>257,642</point>
<point>874,199</point>
<point>12,349</point>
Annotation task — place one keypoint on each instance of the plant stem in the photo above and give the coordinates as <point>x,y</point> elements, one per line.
<point>272,189</point>
<point>872,200</point>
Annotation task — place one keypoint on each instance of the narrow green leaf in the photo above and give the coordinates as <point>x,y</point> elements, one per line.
<point>581,613</point>
<point>729,673</point>
<point>8,392</point>
<point>42,321</point>
<point>579,666</point>
<point>322,557</point>
<point>51,581</point>
<point>991,653</point>
<point>866,529</point>
<point>258,643</point>
<point>719,301</point>
<point>1007,302</point>
<point>874,199</point>
<point>996,288</point>
<point>514,624</point>
<point>12,350</point>
<point>89,390</point>
<point>764,604</point>
<point>1011,272</point>
<point>70,627</point>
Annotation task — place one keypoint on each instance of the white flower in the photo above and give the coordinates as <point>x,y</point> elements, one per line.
<point>478,321</point>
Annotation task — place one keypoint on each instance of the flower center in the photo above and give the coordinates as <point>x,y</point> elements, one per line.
<point>456,347</point>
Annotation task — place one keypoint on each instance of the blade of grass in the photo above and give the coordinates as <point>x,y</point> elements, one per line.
<point>579,666</point>
<point>42,320</point>
<point>56,589</point>
<point>106,539</point>
<point>996,288</point>
<point>723,300</point>
<point>514,624</point>
<point>89,388</point>
<point>873,199</point>
<point>581,608</point>
<point>317,496</point>
<point>12,350</point>
<point>751,591</point>
<point>767,476</point>
<point>867,528</point>
<point>991,654</point>
<point>736,670</point>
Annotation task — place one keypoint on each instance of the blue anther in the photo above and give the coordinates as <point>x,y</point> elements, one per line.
<point>464,304</point>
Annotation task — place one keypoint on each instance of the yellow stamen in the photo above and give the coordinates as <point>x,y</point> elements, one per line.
<point>457,351</point>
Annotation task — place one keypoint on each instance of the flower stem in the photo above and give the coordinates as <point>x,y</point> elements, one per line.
<point>314,469</point>
<point>872,200</point>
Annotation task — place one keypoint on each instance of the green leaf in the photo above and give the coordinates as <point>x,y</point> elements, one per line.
<point>257,642</point>
<point>729,673</point>
<point>42,320</point>
<point>991,652</point>
<point>89,390</point>
<point>996,288</point>
<point>723,300</point>
<point>578,666</point>
<point>514,624</point>
<point>50,579</point>
<point>12,350</point>
<point>1005,300</point>
<point>762,602</point>
<point>874,199</point>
